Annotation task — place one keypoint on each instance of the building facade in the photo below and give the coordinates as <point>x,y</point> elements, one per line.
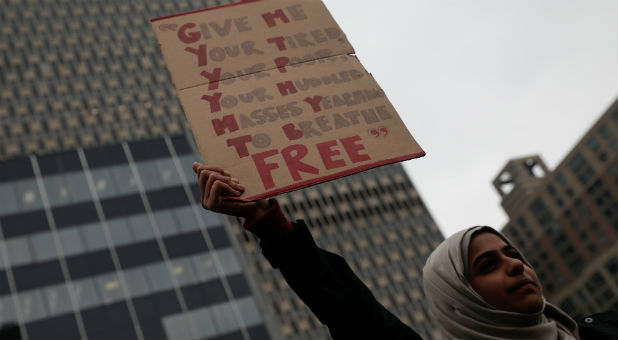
<point>566,220</point>
<point>112,242</point>
<point>102,233</point>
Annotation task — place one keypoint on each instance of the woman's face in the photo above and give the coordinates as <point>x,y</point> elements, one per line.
<point>498,273</point>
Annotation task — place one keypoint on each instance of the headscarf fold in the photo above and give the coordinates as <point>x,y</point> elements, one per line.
<point>464,314</point>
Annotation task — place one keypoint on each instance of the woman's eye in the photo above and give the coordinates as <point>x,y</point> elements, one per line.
<point>487,266</point>
<point>513,254</point>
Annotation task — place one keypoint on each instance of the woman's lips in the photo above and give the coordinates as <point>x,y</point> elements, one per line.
<point>521,284</point>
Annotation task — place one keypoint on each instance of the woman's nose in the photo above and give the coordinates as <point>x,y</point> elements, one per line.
<point>515,266</point>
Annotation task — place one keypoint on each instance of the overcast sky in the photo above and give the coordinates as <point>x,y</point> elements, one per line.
<point>480,82</point>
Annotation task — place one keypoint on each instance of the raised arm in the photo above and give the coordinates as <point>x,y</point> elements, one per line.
<point>322,280</point>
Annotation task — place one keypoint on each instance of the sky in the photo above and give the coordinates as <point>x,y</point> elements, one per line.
<point>480,82</point>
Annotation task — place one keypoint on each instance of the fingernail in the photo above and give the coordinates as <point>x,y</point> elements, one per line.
<point>235,180</point>
<point>241,187</point>
<point>227,173</point>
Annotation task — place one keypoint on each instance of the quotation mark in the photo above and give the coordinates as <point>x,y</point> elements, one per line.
<point>168,27</point>
<point>378,132</point>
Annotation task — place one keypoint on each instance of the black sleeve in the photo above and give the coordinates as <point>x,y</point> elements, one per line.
<point>326,284</point>
<point>599,326</point>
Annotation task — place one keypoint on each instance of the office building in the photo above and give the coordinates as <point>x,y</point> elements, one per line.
<point>566,220</point>
<point>112,242</point>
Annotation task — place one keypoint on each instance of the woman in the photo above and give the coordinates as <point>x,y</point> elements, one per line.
<point>478,285</point>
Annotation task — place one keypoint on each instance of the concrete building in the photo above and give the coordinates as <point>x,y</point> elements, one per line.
<point>101,234</point>
<point>566,220</point>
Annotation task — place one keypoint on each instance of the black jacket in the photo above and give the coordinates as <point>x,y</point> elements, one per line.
<point>326,284</point>
<point>340,300</point>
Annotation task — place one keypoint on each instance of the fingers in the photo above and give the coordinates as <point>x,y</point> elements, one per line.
<point>197,168</point>
<point>214,186</point>
<point>219,189</point>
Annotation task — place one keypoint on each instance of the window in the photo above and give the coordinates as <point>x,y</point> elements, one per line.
<point>166,223</point>
<point>43,246</point>
<point>158,277</point>
<point>32,305</point>
<point>183,270</point>
<point>71,241</point>
<point>224,317</point>
<point>19,251</point>
<point>136,282</point>
<point>141,228</point>
<point>228,261</point>
<point>120,232</point>
<point>104,183</point>
<point>93,236</point>
<point>109,287</point>
<point>57,299</point>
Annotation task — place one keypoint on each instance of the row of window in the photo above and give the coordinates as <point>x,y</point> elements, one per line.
<point>65,9</point>
<point>40,246</point>
<point>213,320</point>
<point>97,290</point>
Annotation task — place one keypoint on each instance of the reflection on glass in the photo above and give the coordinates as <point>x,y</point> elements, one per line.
<point>210,219</point>
<point>203,323</point>
<point>186,219</point>
<point>71,241</point>
<point>141,228</point>
<point>57,299</point>
<point>43,246</point>
<point>93,236</point>
<point>177,327</point>
<point>103,183</point>
<point>148,174</point>
<point>249,311</point>
<point>166,223</point>
<point>167,172</point>
<point>158,277</point>
<point>31,305</point>
<point>119,229</point>
<point>228,261</point>
<point>86,293</point>
<point>9,204</point>
<point>28,195</point>
<point>125,182</point>
<point>182,269</point>
<point>78,187</point>
<point>224,317</point>
<point>19,251</point>
<point>57,190</point>
<point>7,310</point>
<point>205,267</point>
<point>109,287</point>
<point>186,164</point>
<point>136,281</point>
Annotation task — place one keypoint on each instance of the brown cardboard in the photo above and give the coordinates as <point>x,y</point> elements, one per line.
<point>277,129</point>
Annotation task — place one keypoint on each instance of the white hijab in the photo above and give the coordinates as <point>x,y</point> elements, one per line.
<point>464,314</point>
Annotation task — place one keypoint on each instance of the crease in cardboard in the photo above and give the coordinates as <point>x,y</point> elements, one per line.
<point>271,69</point>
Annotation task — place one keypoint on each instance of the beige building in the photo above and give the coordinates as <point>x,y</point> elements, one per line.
<point>566,220</point>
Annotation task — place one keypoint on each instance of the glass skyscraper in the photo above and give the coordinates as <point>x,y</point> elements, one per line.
<point>112,242</point>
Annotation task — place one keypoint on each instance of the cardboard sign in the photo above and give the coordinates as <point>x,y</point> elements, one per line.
<point>274,95</point>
